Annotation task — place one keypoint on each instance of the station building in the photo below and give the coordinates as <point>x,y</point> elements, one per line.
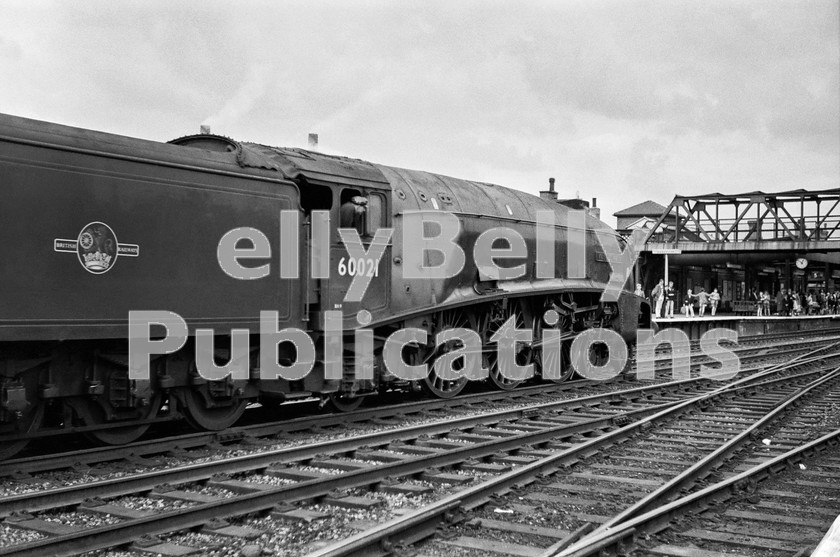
<point>740,242</point>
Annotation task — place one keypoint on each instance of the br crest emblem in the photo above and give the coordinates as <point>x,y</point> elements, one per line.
<point>96,247</point>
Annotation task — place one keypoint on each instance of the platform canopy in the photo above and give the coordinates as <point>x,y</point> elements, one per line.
<point>798,220</point>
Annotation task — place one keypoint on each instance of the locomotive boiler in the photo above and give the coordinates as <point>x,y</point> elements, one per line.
<point>213,237</point>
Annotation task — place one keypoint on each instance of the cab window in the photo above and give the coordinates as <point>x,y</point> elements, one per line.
<point>353,210</point>
<point>375,213</point>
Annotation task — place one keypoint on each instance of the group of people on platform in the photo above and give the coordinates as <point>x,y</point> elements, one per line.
<point>788,302</point>
<point>665,295</point>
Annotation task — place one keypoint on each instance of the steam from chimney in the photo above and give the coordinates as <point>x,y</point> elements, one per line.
<point>313,140</point>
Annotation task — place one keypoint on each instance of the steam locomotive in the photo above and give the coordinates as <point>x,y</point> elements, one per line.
<point>216,238</point>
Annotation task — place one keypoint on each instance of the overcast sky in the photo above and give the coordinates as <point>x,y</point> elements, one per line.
<point>623,101</point>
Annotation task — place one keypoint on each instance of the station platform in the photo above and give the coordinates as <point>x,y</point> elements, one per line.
<point>745,325</point>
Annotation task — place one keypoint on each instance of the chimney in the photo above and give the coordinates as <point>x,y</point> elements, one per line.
<point>550,194</point>
<point>204,129</point>
<point>313,140</point>
<point>595,211</point>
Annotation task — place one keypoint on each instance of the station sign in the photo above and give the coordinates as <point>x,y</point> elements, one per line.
<point>666,251</point>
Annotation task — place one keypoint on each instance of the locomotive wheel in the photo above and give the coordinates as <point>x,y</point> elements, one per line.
<point>210,419</point>
<point>344,403</point>
<point>524,355</point>
<point>93,414</point>
<point>543,362</point>
<point>443,388</point>
<point>599,354</point>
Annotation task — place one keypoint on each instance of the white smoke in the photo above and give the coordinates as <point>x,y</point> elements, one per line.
<point>243,101</point>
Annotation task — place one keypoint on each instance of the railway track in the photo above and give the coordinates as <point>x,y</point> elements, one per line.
<point>282,419</point>
<point>774,508</point>
<point>405,462</point>
<point>778,500</point>
<point>550,504</point>
<point>753,351</point>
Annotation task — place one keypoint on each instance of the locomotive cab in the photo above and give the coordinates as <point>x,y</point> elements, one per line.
<point>346,219</point>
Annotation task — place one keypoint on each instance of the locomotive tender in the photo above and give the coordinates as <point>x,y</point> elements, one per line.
<point>98,225</point>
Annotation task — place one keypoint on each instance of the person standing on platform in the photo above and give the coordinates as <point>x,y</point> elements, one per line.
<point>639,292</point>
<point>714,298</point>
<point>658,295</point>
<point>765,303</point>
<point>755,298</point>
<point>780,302</point>
<point>688,303</point>
<point>670,295</point>
<point>812,306</point>
<point>703,301</point>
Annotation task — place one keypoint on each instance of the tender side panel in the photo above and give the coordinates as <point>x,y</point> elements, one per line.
<point>161,227</point>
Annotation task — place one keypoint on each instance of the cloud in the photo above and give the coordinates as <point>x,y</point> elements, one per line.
<point>623,100</point>
<point>10,51</point>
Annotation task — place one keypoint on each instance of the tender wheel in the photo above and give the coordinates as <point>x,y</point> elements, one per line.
<point>492,322</point>
<point>443,388</point>
<point>344,403</point>
<point>116,436</point>
<point>28,422</point>
<point>92,414</point>
<point>200,416</point>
